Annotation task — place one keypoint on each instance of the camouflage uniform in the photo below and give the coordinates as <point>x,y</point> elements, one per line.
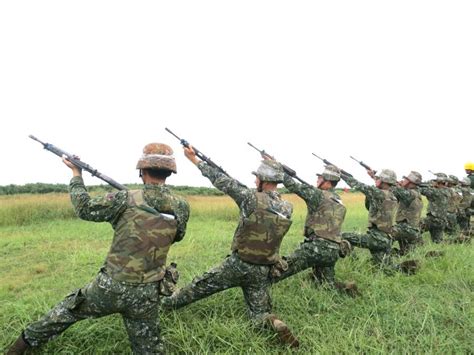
<point>382,211</point>
<point>321,247</point>
<point>407,228</point>
<point>455,197</point>
<point>436,215</point>
<point>262,214</point>
<point>464,207</point>
<point>129,282</point>
<point>471,177</point>
<point>471,210</point>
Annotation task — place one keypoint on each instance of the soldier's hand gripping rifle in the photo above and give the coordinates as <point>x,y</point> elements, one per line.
<point>370,171</point>
<point>200,155</point>
<point>327,162</point>
<point>80,164</point>
<point>285,168</point>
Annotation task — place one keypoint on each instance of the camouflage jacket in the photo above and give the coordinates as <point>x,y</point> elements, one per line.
<point>245,198</point>
<point>471,177</point>
<point>472,188</point>
<point>110,207</point>
<point>455,197</point>
<point>410,206</point>
<point>437,200</point>
<point>467,198</point>
<point>382,204</point>
<point>264,218</point>
<point>326,212</point>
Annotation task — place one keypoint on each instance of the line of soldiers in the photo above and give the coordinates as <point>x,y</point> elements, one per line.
<point>147,222</point>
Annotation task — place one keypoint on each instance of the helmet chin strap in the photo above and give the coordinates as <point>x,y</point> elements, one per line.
<point>260,186</point>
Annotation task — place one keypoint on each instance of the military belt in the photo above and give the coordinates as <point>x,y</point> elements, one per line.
<point>314,237</point>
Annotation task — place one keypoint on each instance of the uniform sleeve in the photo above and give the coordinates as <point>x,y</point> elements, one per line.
<point>356,184</point>
<point>371,192</point>
<point>242,195</point>
<point>427,191</point>
<point>100,209</point>
<point>403,195</point>
<point>310,194</point>
<point>472,180</point>
<point>182,217</point>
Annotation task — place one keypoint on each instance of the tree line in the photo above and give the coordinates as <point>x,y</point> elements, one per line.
<point>43,188</point>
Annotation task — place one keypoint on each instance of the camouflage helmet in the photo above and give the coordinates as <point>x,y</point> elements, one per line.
<point>388,176</point>
<point>441,177</point>
<point>414,177</point>
<point>269,171</point>
<point>157,156</point>
<point>452,179</point>
<point>330,173</point>
<point>465,181</point>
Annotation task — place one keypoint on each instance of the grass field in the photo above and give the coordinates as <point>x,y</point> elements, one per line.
<point>46,253</point>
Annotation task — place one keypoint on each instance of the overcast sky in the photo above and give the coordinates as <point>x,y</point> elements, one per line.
<point>389,82</point>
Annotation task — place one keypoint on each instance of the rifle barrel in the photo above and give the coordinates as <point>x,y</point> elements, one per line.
<point>201,155</point>
<point>172,133</point>
<point>80,164</point>
<point>317,156</point>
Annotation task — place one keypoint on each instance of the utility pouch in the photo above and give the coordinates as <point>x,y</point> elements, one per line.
<point>280,266</point>
<point>345,248</point>
<point>170,280</point>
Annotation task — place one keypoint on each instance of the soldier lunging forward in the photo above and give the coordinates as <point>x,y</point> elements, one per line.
<point>264,221</point>
<point>129,282</point>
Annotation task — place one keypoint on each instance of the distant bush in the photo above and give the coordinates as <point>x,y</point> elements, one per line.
<point>42,188</point>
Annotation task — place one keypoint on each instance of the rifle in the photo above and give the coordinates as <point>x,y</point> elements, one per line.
<point>94,172</point>
<point>363,164</point>
<point>286,168</point>
<point>327,162</point>
<point>201,156</point>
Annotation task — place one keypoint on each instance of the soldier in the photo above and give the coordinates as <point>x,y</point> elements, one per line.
<point>407,228</point>
<point>455,197</point>
<point>436,215</point>
<point>383,207</point>
<point>145,222</point>
<point>469,168</point>
<point>264,221</point>
<point>463,214</point>
<point>322,245</point>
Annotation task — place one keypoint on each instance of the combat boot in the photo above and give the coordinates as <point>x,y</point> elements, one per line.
<point>283,332</point>
<point>19,346</point>
<point>409,267</point>
<point>349,288</point>
<point>435,254</point>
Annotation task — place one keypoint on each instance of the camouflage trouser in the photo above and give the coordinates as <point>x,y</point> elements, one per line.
<point>463,222</point>
<point>435,226</point>
<point>379,243</point>
<point>407,236</point>
<point>452,224</point>
<point>233,272</point>
<point>319,254</point>
<point>471,225</point>
<point>138,306</point>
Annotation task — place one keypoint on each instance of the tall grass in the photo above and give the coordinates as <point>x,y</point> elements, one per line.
<point>44,257</point>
